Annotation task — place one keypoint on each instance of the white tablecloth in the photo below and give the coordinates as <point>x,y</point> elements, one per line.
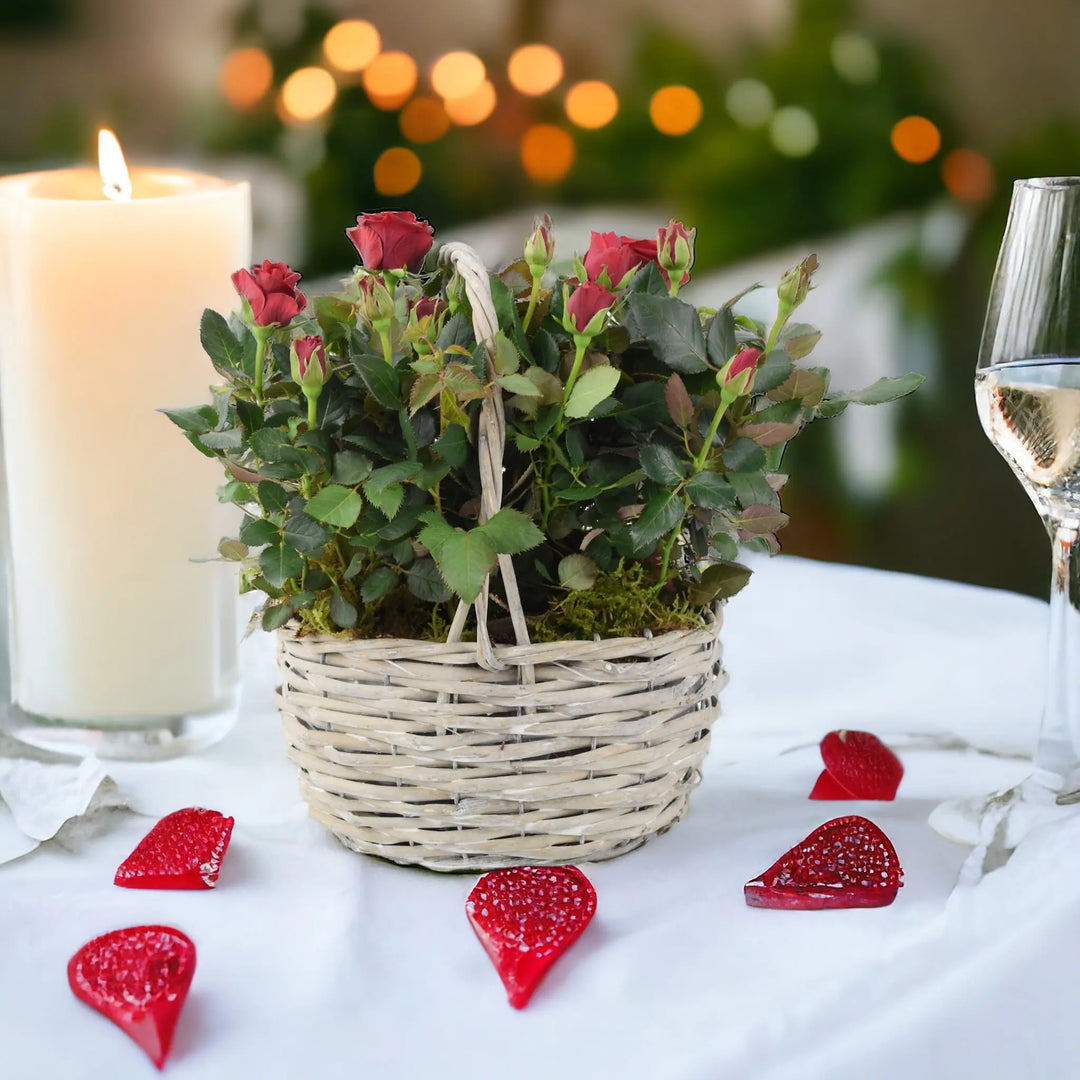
<point>315,962</point>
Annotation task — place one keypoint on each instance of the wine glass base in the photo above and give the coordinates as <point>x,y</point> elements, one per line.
<point>994,825</point>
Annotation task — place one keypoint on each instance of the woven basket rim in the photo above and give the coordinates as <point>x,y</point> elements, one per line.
<point>711,621</point>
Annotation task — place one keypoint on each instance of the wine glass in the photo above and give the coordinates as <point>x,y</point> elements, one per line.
<point>1027,391</point>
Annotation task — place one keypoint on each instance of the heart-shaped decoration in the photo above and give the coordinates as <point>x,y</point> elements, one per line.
<point>858,765</point>
<point>526,917</point>
<point>137,977</point>
<point>847,862</point>
<point>182,851</point>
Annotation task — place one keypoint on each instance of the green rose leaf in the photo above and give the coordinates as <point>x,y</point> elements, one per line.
<point>232,439</point>
<point>577,572</point>
<point>225,351</point>
<point>662,464</point>
<point>679,406</point>
<point>272,497</point>
<point>276,615</point>
<point>378,583</point>
<point>772,371</point>
<point>305,534</point>
<point>453,446</point>
<point>592,387</point>
<point>197,420</point>
<point>342,612</point>
<point>380,378</point>
<point>877,393</point>
<point>799,339</point>
<point>802,385</point>
<point>336,505</point>
<point>720,338</point>
<point>511,532</point>
<point>759,519</point>
<point>426,583</point>
<point>233,550</point>
<point>672,329</point>
<point>710,491</point>
<point>465,560</point>
<point>280,563</point>
<point>386,499</point>
<point>350,467</point>
<point>719,583</point>
<point>519,384</point>
<point>744,455</point>
<point>661,514</point>
<point>256,532</point>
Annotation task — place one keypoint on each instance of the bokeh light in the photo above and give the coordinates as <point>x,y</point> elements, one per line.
<point>397,171</point>
<point>424,120</point>
<point>547,152</point>
<point>749,102</point>
<point>307,94</point>
<point>475,108</point>
<point>591,104</point>
<point>534,69</point>
<point>390,79</point>
<point>675,110</point>
<point>968,175</point>
<point>351,45</point>
<point>794,131</point>
<point>916,139</point>
<point>457,75</point>
<point>246,76</point>
<point>855,58</point>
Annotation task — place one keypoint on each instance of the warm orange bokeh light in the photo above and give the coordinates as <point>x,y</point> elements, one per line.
<point>245,77</point>
<point>390,79</point>
<point>475,108</point>
<point>457,75</point>
<point>534,69</point>
<point>916,139</point>
<point>397,171</point>
<point>591,104</point>
<point>351,45</point>
<point>675,110</point>
<point>307,94</point>
<point>547,152</point>
<point>968,175</point>
<point>424,120</point>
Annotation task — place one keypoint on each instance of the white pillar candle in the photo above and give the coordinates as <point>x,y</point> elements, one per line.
<point>108,505</point>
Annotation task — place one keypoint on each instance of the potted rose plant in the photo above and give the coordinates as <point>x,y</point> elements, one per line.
<point>577,458</point>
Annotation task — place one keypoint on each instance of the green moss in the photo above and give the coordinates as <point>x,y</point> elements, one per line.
<point>398,614</point>
<point>622,603</point>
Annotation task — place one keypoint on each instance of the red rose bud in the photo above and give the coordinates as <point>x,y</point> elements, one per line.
<point>796,283</point>
<point>737,376</point>
<point>375,304</point>
<point>308,362</point>
<point>585,308</point>
<point>425,307</point>
<point>675,252</point>
<point>391,240</point>
<point>271,293</point>
<point>612,259</point>
<point>540,246</point>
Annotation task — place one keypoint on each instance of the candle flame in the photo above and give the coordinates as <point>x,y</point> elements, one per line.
<point>115,181</point>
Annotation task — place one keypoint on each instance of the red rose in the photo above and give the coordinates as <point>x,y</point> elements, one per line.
<point>618,255</point>
<point>585,303</point>
<point>271,292</point>
<point>391,240</point>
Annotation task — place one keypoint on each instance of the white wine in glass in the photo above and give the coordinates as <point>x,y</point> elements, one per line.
<point>1027,391</point>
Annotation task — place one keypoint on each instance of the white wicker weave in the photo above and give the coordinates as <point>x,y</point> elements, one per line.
<point>461,756</point>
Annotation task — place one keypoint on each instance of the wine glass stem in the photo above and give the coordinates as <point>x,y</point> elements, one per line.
<point>1057,755</point>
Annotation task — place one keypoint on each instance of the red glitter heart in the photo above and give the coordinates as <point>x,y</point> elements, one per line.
<point>182,851</point>
<point>847,862</point>
<point>138,978</point>
<point>526,918</point>
<point>859,765</point>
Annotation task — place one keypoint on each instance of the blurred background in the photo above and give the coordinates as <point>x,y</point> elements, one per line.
<point>883,134</point>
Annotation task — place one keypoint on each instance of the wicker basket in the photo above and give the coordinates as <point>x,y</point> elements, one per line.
<point>472,756</point>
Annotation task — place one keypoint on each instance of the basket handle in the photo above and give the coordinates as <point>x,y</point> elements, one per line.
<point>491,440</point>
